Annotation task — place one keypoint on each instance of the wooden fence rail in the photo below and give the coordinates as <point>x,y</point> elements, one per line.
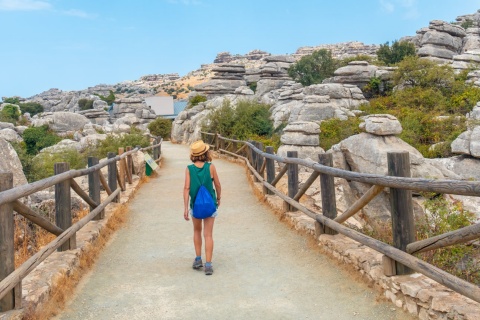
<point>63,180</point>
<point>401,187</point>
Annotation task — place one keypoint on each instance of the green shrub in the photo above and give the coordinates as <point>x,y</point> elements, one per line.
<point>112,143</point>
<point>253,86</point>
<point>161,127</point>
<point>12,100</point>
<point>9,113</point>
<point>442,217</point>
<point>42,165</point>
<point>333,131</point>
<point>391,55</point>
<point>85,104</point>
<point>27,161</point>
<point>195,100</point>
<point>31,107</point>
<point>314,68</point>
<point>108,99</point>
<point>37,138</point>
<point>246,119</point>
<point>468,23</point>
<point>360,57</point>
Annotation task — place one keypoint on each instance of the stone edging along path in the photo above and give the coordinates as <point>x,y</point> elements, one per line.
<point>39,286</point>
<point>417,294</point>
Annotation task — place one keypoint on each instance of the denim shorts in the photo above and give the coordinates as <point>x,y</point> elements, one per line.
<point>214,215</point>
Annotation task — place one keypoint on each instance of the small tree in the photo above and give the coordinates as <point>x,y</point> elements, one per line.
<point>313,68</point>
<point>31,107</point>
<point>396,53</point>
<point>195,100</point>
<point>161,127</point>
<point>85,104</point>
<point>10,113</point>
<point>37,138</point>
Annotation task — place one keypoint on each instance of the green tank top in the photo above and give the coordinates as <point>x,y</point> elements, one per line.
<point>197,176</point>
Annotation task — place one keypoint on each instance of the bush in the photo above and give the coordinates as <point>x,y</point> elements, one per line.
<point>442,217</point>
<point>31,107</point>
<point>468,23</point>
<point>85,104</point>
<point>195,100</point>
<point>42,165</point>
<point>9,113</point>
<point>37,138</point>
<point>161,127</point>
<point>112,143</point>
<point>247,119</point>
<point>314,68</point>
<point>333,131</point>
<point>391,55</point>
<point>12,100</point>
<point>253,86</point>
<point>108,99</point>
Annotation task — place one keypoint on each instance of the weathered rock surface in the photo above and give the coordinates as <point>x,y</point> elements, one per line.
<point>341,50</point>
<point>10,135</point>
<point>468,143</point>
<point>381,125</point>
<point>62,146</point>
<point>11,163</point>
<point>128,107</point>
<point>60,122</point>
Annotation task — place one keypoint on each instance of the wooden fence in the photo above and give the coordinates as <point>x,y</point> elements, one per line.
<point>120,170</point>
<point>398,259</point>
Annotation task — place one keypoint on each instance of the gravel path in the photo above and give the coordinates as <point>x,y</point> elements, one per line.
<point>263,270</point>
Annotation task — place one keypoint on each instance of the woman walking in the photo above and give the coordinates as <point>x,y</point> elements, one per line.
<point>201,172</point>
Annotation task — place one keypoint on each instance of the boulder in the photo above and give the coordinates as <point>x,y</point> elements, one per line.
<point>466,167</point>
<point>381,125</point>
<point>356,73</point>
<point>301,133</point>
<point>11,163</point>
<point>62,146</point>
<point>4,125</point>
<point>10,135</point>
<point>91,140</point>
<point>61,122</point>
<point>304,152</point>
<point>468,143</point>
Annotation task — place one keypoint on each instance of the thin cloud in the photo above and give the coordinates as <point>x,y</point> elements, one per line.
<point>79,14</point>
<point>24,5</point>
<point>387,6</point>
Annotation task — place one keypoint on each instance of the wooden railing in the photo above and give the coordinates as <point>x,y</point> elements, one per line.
<point>398,259</point>
<point>63,180</point>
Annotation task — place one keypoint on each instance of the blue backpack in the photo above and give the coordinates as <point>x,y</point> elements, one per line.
<point>203,205</point>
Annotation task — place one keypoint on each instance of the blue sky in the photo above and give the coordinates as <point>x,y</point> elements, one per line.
<point>74,44</point>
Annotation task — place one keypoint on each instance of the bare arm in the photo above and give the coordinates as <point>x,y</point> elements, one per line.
<point>186,191</point>
<point>216,182</point>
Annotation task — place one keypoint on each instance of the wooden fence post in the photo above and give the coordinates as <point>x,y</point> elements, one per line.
<point>130,162</point>
<point>403,225</point>
<point>270,168</point>
<point>121,170</point>
<point>234,145</point>
<point>292,174</point>
<point>259,158</point>
<point>253,158</point>
<point>63,206</point>
<point>94,186</point>
<point>112,175</point>
<point>7,250</point>
<point>327,185</point>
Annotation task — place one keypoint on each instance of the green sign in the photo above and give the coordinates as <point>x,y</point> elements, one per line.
<point>149,160</point>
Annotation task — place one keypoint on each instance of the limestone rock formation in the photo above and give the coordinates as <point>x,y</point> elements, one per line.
<point>10,135</point>
<point>11,163</point>
<point>60,122</point>
<point>62,146</point>
<point>129,107</point>
<point>303,137</point>
<point>381,125</point>
<point>227,79</point>
<point>341,50</point>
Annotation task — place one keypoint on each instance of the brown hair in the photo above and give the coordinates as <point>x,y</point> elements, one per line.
<point>204,157</point>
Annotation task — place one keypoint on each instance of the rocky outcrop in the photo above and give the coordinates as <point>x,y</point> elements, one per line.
<point>63,146</point>
<point>319,102</point>
<point>160,77</point>
<point>359,73</point>
<point>96,116</point>
<point>133,107</point>
<point>10,135</point>
<point>60,122</point>
<point>11,163</point>
<point>227,79</point>
<point>341,50</point>
<point>303,137</point>
<point>226,57</point>
<point>468,142</point>
<point>381,125</point>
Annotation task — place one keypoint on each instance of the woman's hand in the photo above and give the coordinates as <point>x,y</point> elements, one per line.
<point>186,215</point>
<point>218,202</point>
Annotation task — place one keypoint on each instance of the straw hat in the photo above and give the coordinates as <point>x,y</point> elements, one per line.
<point>198,148</point>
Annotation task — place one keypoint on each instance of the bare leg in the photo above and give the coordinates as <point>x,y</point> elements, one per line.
<point>208,235</point>
<point>197,236</point>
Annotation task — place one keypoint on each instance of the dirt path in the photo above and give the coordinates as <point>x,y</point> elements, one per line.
<point>263,270</point>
